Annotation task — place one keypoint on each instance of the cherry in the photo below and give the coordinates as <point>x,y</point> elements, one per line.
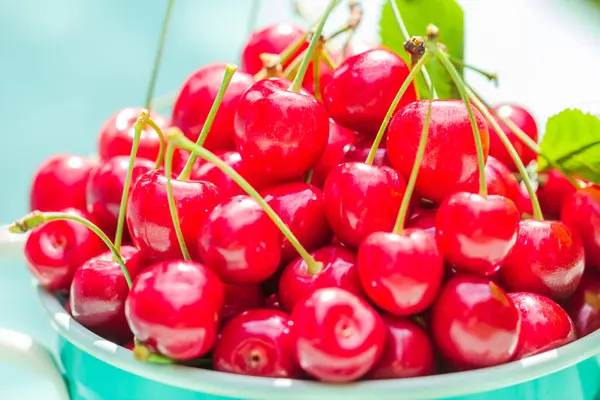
<point>362,89</point>
<point>339,337</point>
<point>240,242</point>
<point>257,343</point>
<point>547,259</point>
<point>524,201</point>
<point>501,181</point>
<point>424,219</point>
<point>149,220</point>
<point>280,132</point>
<point>581,213</point>
<point>408,351</point>
<point>98,294</point>
<point>450,161</point>
<point>175,306</point>
<point>105,188</point>
<point>116,135</point>
<point>552,192</point>
<point>361,199</point>
<point>584,305</point>
<point>302,209</point>
<point>338,270</point>
<point>401,272</point>
<point>474,323</point>
<point>544,324</point>
<point>55,249</point>
<point>339,140</point>
<point>476,233</point>
<point>60,182</point>
<point>359,151</point>
<point>520,117</point>
<point>239,299</point>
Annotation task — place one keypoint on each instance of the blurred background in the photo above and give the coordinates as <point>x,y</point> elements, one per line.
<point>66,65</point>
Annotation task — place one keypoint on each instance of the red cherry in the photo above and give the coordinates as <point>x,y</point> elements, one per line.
<point>257,343</point>
<point>196,98</point>
<point>361,199</point>
<point>55,249</point>
<point>60,183</point>
<point>98,294</point>
<point>116,135</point>
<point>105,188</point>
<point>401,273</point>
<point>474,323</point>
<point>408,351</point>
<point>544,324</point>
<point>241,298</point>
<point>547,259</point>
<point>500,180</point>
<point>363,87</point>
<point>175,305</point>
<point>149,219</point>
<point>240,242</point>
<point>359,151</point>
<point>581,213</point>
<point>584,305</point>
<point>338,270</point>
<point>302,209</point>
<point>450,161</point>
<point>339,139</point>
<point>520,117</point>
<point>524,200</point>
<point>339,337</point>
<point>280,132</point>
<point>553,192</point>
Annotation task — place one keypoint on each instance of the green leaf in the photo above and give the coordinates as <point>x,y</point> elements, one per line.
<point>572,140</point>
<point>417,15</point>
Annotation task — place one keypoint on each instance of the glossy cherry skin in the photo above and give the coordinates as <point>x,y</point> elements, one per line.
<point>361,199</point>
<point>196,98</point>
<point>105,188</point>
<point>408,351</point>
<point>553,190</point>
<point>280,132</point>
<point>548,259</point>
<point>149,219</point>
<point>581,212</point>
<point>401,272</point>
<point>55,249</point>
<point>240,242</point>
<point>240,298</point>
<point>60,182</point>
<point>450,160</point>
<point>338,270</point>
<point>476,233</point>
<point>175,306</point>
<point>339,337</point>
<point>500,180</point>
<point>339,141</point>
<point>257,343</point>
<point>474,323</point>
<point>584,305</point>
<point>116,135</point>
<point>524,120</point>
<point>98,294</point>
<point>544,324</point>
<point>363,87</point>
<point>359,151</point>
<point>302,209</point>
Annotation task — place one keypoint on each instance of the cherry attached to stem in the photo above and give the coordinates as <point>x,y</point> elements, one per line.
<point>171,200</point>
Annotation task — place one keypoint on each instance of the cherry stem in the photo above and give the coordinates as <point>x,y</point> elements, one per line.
<point>171,201</point>
<point>327,59</point>
<point>139,124</point>
<point>309,176</point>
<point>490,75</point>
<point>314,41</point>
<point>189,165</point>
<point>316,80</point>
<point>36,218</point>
<point>284,56</point>
<point>142,353</point>
<point>393,106</point>
<point>178,139</point>
<point>161,150</point>
<point>400,220</point>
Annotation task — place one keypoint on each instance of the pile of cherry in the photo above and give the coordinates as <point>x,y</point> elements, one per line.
<point>471,281</point>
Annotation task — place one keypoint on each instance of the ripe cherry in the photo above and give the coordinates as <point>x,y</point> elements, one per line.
<point>450,160</point>
<point>359,150</point>
<point>339,337</point>
<point>240,298</point>
<point>257,343</point>
<point>544,324</point>
<point>175,306</point>
<point>363,87</point>
<point>552,192</point>
<point>547,259</point>
<point>584,305</point>
<point>59,183</point>
<point>339,140</point>
<point>240,242</point>
<point>581,213</point>
<point>500,180</point>
<point>474,323</point>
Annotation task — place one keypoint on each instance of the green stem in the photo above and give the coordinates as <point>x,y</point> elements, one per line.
<point>142,353</point>
<point>284,56</point>
<point>327,59</point>
<point>316,80</point>
<point>491,76</point>
<point>37,218</point>
<point>171,201</point>
<point>314,41</point>
<point>177,139</point>
<point>393,106</point>
<point>309,176</point>
<point>161,150</point>
<point>339,32</point>
<point>189,165</point>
